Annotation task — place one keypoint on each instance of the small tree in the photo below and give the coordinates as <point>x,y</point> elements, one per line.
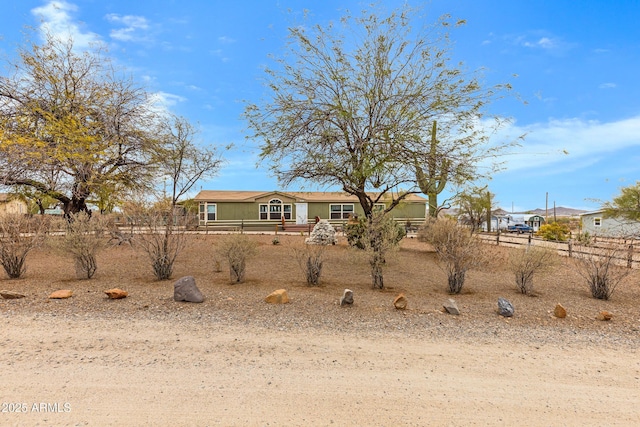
<point>237,249</point>
<point>625,206</point>
<point>474,207</point>
<point>525,263</point>
<point>554,231</point>
<point>597,266</point>
<point>457,248</point>
<point>18,236</point>
<point>83,239</point>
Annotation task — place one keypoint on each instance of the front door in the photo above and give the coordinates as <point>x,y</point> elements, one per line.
<point>302,211</point>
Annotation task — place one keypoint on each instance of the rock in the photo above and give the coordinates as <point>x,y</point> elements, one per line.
<point>61,294</point>
<point>560,312</point>
<point>451,307</point>
<point>116,293</point>
<point>505,308</point>
<point>323,233</point>
<point>11,295</point>
<point>347,297</point>
<point>185,289</point>
<point>605,316</point>
<point>400,302</point>
<point>278,297</point>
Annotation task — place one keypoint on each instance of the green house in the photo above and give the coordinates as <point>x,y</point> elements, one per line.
<point>271,208</point>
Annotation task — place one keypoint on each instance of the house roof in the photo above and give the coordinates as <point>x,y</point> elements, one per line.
<point>301,196</point>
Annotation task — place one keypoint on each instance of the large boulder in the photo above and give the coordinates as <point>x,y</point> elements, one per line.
<point>278,297</point>
<point>505,308</point>
<point>185,289</point>
<point>322,234</point>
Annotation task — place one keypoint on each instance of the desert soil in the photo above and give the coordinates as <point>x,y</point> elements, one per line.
<point>235,360</point>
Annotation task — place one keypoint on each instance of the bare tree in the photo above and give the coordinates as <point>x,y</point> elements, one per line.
<point>350,101</point>
<point>181,161</point>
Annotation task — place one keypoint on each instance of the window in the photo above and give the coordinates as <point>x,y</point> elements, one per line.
<point>597,222</point>
<point>379,207</point>
<point>340,211</point>
<point>275,210</point>
<point>207,212</point>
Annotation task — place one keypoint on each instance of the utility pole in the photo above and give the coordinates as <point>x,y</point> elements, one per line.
<point>546,207</point>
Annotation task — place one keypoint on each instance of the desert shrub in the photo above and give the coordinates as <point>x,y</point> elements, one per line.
<point>82,240</point>
<point>18,236</point>
<point>584,238</point>
<point>311,258</point>
<point>598,267</point>
<point>381,235</point>
<point>554,231</point>
<point>457,248</point>
<point>524,263</point>
<point>356,230</point>
<point>236,249</point>
<point>162,241</point>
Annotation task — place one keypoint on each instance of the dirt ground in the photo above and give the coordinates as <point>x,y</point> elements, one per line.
<point>236,361</point>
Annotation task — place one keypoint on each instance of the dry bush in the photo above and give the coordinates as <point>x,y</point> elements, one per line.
<point>18,236</point>
<point>83,238</point>
<point>311,258</point>
<point>524,263</point>
<point>236,249</point>
<point>598,267</point>
<point>457,248</point>
<point>161,240</point>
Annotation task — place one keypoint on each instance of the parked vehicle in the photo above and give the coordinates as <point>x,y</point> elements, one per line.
<point>519,228</point>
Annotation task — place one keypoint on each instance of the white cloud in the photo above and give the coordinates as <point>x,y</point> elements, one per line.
<point>608,86</point>
<point>226,40</point>
<point>56,18</point>
<point>569,144</point>
<point>134,27</point>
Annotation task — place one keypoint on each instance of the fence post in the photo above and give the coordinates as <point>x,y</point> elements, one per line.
<point>630,256</point>
<point>570,248</point>
<point>498,238</point>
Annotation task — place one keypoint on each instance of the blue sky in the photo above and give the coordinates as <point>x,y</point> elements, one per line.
<point>577,65</point>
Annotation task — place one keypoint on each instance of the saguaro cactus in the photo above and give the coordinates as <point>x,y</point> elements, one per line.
<point>433,179</point>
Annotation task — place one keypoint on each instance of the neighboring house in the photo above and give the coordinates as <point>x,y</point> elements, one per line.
<point>534,221</point>
<point>276,207</point>
<point>596,224</point>
<point>12,205</point>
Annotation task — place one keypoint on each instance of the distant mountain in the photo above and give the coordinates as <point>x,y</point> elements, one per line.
<point>560,211</point>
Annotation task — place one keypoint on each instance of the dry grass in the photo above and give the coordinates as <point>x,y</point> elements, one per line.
<point>412,271</point>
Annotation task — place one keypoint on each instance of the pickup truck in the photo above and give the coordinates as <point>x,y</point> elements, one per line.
<point>519,228</point>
